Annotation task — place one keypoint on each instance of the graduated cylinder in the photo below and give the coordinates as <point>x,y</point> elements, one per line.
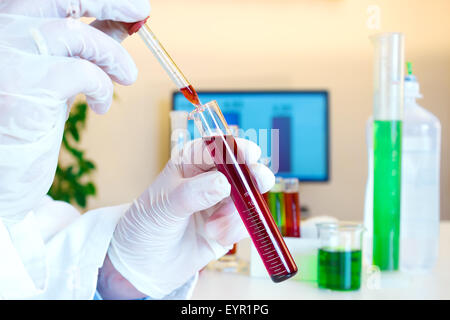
<point>387,126</point>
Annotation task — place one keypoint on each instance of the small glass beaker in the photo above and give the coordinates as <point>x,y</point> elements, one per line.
<point>339,259</point>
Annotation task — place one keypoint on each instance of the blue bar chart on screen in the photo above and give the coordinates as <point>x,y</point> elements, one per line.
<point>301,119</point>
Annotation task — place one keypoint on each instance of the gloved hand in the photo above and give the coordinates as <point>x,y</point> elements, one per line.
<point>182,221</point>
<point>46,59</point>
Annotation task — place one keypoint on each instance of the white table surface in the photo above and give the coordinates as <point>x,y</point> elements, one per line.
<point>435,285</point>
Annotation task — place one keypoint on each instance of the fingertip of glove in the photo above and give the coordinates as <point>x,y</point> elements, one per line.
<point>131,74</point>
<point>263,176</point>
<point>252,152</point>
<point>141,10</point>
<point>99,107</point>
<point>145,9</point>
<point>125,72</point>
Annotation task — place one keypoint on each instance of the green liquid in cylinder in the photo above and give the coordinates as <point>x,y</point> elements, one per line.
<point>276,206</point>
<point>386,196</point>
<point>339,270</point>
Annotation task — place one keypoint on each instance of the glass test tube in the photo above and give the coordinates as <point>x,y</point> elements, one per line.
<point>292,207</point>
<point>266,161</point>
<point>275,200</point>
<point>234,129</point>
<point>246,197</point>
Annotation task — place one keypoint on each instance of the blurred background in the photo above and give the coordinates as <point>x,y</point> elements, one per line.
<point>272,45</point>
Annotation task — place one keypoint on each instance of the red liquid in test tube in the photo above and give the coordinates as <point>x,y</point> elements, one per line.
<point>292,209</point>
<point>252,208</point>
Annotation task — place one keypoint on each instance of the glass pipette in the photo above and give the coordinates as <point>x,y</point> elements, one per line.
<point>164,59</point>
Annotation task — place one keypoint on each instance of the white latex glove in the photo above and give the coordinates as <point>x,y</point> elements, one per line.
<point>182,221</point>
<point>47,59</point>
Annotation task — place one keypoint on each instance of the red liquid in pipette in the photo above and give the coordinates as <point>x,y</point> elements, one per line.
<point>252,208</point>
<point>190,94</point>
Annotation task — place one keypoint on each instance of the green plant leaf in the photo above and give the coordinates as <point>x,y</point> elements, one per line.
<point>80,198</point>
<point>89,189</point>
<point>67,185</point>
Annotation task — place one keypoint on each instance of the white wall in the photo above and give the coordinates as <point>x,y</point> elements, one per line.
<point>272,44</point>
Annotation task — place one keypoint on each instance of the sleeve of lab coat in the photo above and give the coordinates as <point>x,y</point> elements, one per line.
<point>55,253</point>
<point>183,292</point>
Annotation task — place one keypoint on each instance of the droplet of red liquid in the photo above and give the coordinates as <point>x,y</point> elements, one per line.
<point>190,94</point>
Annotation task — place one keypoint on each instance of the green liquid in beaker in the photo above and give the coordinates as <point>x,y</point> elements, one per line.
<point>386,197</point>
<point>339,270</point>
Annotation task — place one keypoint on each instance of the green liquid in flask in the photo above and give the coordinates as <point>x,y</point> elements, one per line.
<point>386,197</point>
<point>339,270</point>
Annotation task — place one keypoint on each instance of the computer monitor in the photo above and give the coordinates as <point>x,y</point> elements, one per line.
<point>302,118</point>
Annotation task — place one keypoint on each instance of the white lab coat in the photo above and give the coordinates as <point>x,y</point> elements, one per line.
<point>54,253</point>
<point>47,249</point>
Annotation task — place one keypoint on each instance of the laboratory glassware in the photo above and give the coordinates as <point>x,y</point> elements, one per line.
<point>249,202</point>
<point>275,200</point>
<point>421,144</point>
<point>234,129</point>
<point>164,59</point>
<point>265,161</point>
<point>339,262</point>
<point>292,207</point>
<point>387,146</point>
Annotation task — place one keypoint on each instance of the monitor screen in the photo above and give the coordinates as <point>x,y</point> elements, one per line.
<point>301,118</point>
